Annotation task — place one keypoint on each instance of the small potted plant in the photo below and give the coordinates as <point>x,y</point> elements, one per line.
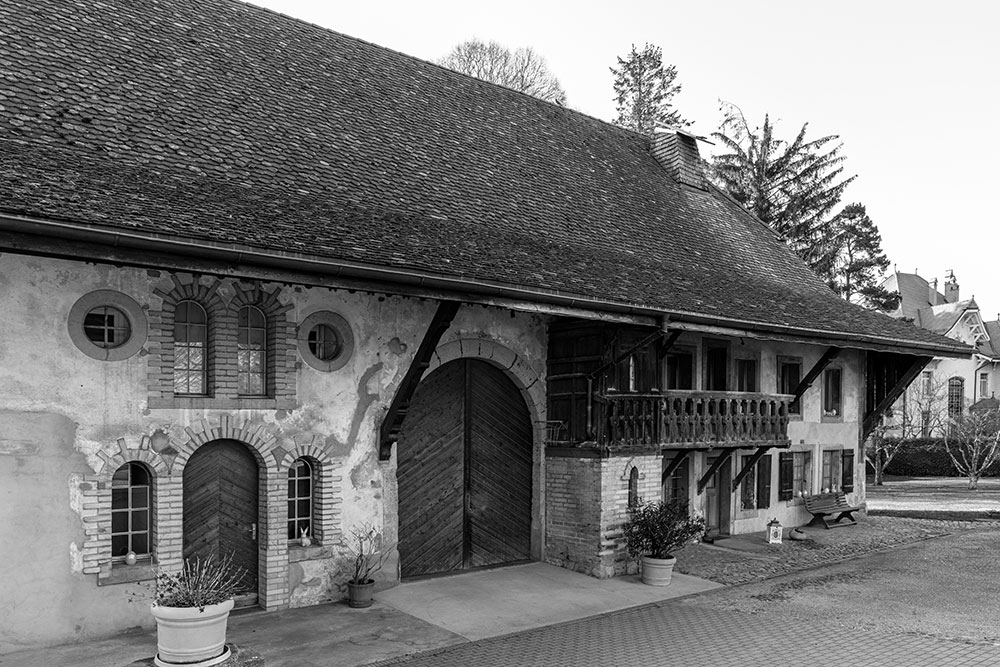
<point>369,553</point>
<point>191,608</point>
<point>654,531</point>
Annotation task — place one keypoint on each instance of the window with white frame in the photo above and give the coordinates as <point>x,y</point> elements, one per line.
<point>832,472</point>
<point>984,385</point>
<point>251,361</point>
<point>131,507</point>
<point>190,349</point>
<point>833,398</point>
<point>794,475</point>
<point>300,499</point>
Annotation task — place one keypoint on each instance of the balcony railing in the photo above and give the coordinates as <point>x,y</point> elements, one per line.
<point>694,418</point>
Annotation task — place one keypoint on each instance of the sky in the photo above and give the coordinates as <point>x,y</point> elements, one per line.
<point>911,88</point>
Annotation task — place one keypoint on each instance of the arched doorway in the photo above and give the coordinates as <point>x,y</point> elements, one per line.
<point>221,508</point>
<point>464,472</point>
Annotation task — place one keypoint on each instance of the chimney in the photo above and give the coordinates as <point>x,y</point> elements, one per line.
<point>677,152</point>
<point>950,287</point>
<point>932,293</point>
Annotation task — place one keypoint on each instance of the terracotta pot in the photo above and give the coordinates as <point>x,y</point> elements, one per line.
<point>657,571</point>
<point>185,635</point>
<point>360,595</point>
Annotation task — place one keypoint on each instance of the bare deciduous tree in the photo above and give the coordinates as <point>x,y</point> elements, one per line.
<point>521,69</point>
<point>973,443</point>
<point>921,412</point>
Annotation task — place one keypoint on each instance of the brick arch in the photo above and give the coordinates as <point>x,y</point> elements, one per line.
<point>252,434</point>
<point>142,453</point>
<point>514,366</point>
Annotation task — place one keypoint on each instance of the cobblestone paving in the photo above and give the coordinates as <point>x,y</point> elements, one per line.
<point>731,566</point>
<point>673,634</point>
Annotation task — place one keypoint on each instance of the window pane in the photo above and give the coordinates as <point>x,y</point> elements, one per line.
<point>119,545</point>
<point>302,469</point>
<point>140,495</point>
<point>303,508</point>
<point>119,497</point>
<point>140,520</point>
<point>304,490</point>
<point>291,509</point>
<point>291,486</point>
<point>140,543</point>
<point>120,478</point>
<point>119,522</point>
<point>291,530</point>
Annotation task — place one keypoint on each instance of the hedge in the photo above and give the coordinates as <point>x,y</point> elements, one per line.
<point>927,457</point>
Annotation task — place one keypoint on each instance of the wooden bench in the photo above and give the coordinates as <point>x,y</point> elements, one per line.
<point>826,504</point>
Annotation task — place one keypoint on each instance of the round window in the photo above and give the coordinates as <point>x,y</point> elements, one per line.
<point>325,341</point>
<point>107,327</point>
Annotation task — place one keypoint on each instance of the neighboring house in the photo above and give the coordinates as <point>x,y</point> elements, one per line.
<point>260,278</point>
<point>948,387</point>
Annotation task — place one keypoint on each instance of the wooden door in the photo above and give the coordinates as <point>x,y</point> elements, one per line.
<point>220,508</point>
<point>718,497</point>
<point>464,472</point>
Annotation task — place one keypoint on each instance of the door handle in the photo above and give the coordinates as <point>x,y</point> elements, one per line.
<point>253,532</point>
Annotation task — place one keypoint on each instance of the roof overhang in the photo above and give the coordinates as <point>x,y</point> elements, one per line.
<point>71,240</point>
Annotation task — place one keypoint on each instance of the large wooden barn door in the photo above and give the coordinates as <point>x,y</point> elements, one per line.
<point>220,508</point>
<point>464,472</point>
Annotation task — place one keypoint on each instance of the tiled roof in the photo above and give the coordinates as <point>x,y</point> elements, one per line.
<point>991,347</point>
<point>940,319</point>
<point>222,122</point>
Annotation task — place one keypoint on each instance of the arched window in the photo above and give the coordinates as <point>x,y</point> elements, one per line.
<point>251,361</point>
<point>956,397</point>
<point>131,506</point>
<point>190,349</point>
<point>300,499</point>
<point>633,488</point>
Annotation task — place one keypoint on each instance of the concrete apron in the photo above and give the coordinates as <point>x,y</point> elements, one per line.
<point>413,617</point>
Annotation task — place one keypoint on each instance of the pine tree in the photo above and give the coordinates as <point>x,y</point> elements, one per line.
<point>791,186</point>
<point>858,261</point>
<point>644,90</point>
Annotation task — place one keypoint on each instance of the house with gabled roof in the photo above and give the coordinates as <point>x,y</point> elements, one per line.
<point>263,281</point>
<point>950,386</point>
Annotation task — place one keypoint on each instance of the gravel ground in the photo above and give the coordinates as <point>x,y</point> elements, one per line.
<point>947,587</point>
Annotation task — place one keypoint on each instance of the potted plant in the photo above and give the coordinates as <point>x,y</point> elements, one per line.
<point>369,552</point>
<point>191,608</point>
<point>654,531</point>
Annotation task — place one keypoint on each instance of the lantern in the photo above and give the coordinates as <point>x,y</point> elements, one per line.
<point>774,532</point>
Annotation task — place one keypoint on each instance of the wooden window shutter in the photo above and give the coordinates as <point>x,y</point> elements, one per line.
<point>847,471</point>
<point>764,482</point>
<point>785,475</point>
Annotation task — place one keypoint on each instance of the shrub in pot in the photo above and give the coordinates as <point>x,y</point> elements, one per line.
<point>191,608</point>
<point>654,531</point>
<point>369,551</point>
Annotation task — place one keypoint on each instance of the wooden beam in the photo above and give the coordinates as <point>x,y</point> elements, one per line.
<point>719,462</point>
<point>393,420</point>
<point>624,355</point>
<point>757,456</point>
<point>673,465</point>
<point>664,344</point>
<point>814,372</point>
<point>871,419</point>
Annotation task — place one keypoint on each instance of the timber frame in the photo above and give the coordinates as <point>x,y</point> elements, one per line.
<point>393,420</point>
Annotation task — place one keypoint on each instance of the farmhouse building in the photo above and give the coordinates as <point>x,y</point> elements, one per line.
<point>260,280</point>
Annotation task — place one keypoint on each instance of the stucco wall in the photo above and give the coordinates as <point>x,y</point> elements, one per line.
<point>67,420</point>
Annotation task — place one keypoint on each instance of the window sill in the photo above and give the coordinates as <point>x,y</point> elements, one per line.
<point>298,553</point>
<point>234,403</point>
<point>831,420</point>
<point>120,573</point>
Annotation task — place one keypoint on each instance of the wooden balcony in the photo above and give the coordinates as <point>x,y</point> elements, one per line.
<point>681,419</point>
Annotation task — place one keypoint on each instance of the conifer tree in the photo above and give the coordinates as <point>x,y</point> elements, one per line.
<point>644,91</point>
<point>793,186</point>
<point>858,260</point>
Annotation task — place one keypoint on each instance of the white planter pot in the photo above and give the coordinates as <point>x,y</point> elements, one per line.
<point>657,571</point>
<point>185,635</point>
